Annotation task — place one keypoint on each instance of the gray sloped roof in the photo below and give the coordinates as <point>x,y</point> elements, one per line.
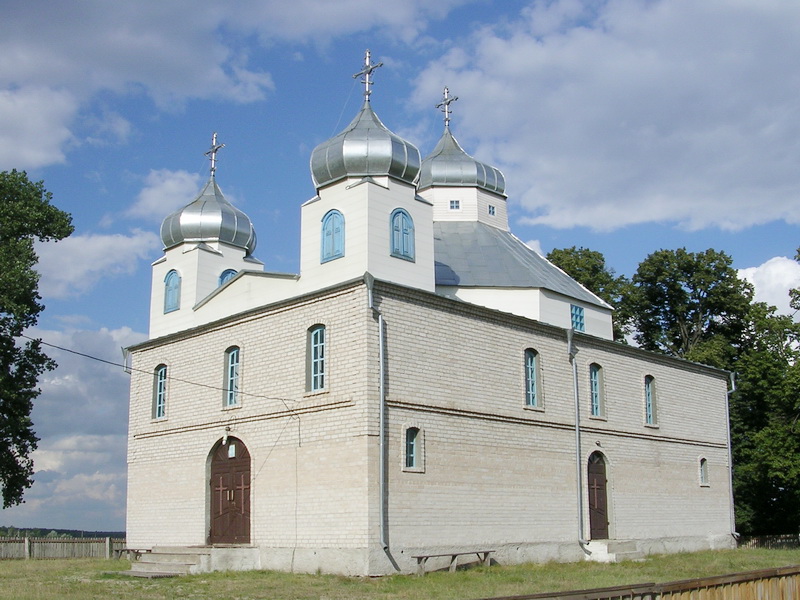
<point>473,254</point>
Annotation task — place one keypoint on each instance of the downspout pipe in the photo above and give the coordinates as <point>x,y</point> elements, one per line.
<point>369,280</point>
<point>572,351</point>
<point>732,376</point>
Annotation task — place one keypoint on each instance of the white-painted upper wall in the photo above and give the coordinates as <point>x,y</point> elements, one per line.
<point>473,205</point>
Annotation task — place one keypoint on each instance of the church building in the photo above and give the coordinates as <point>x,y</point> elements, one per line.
<point>426,389</point>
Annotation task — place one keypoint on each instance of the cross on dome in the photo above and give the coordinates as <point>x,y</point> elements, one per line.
<point>445,105</point>
<point>366,72</point>
<point>212,152</point>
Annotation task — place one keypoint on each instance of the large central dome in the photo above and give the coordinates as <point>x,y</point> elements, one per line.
<point>365,148</point>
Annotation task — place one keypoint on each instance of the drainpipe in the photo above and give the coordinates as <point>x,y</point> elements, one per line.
<point>732,376</point>
<point>369,280</point>
<point>572,351</point>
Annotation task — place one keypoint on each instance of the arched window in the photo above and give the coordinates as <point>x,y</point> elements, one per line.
<point>160,392</point>
<point>598,408</point>
<point>231,397</point>
<point>650,403</point>
<point>412,447</point>
<point>533,396</point>
<point>332,236</point>
<point>226,275</point>
<point>172,291</point>
<point>315,363</point>
<point>402,235</point>
<point>704,472</point>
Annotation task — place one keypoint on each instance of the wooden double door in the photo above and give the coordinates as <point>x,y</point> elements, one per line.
<point>598,497</point>
<point>230,493</point>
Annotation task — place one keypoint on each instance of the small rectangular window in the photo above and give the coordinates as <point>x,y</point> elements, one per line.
<point>576,314</point>
<point>491,210</point>
<point>160,392</point>
<point>316,359</point>
<point>455,204</point>
<point>232,377</point>
<point>650,403</point>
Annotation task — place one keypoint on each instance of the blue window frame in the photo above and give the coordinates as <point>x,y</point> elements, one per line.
<point>412,448</point>
<point>704,472</point>
<point>596,389</point>
<point>455,204</point>
<point>576,314</point>
<point>160,392</point>
<point>332,245</point>
<point>226,275</point>
<point>172,291</point>
<point>231,397</point>
<point>532,395</point>
<point>402,235</point>
<point>650,417</point>
<point>316,359</point>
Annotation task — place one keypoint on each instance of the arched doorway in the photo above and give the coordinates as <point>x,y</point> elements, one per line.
<point>598,497</point>
<point>230,493</point>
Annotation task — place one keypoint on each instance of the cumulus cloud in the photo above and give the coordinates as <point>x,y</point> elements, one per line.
<point>634,111</point>
<point>164,192</point>
<point>773,280</point>
<point>81,419</point>
<point>72,266</point>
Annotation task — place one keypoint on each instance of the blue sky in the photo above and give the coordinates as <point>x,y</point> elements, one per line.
<point>624,126</point>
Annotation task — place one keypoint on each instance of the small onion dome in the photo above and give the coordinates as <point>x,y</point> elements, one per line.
<point>209,218</point>
<point>366,147</point>
<point>449,165</point>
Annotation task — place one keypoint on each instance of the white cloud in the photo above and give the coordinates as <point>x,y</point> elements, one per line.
<point>536,246</point>
<point>773,280</point>
<point>632,111</point>
<point>165,191</point>
<point>34,126</point>
<point>72,266</point>
<point>170,51</point>
<point>82,420</point>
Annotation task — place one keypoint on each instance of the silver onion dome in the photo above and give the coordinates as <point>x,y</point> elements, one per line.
<point>366,147</point>
<point>449,165</point>
<point>209,218</point>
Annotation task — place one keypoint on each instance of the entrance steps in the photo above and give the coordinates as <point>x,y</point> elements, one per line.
<point>610,551</point>
<point>172,561</point>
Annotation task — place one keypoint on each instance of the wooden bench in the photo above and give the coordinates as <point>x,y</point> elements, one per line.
<point>422,559</point>
<point>131,554</point>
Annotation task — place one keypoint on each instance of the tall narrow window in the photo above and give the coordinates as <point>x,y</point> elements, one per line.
<point>172,291</point>
<point>160,392</point>
<point>412,448</point>
<point>332,236</point>
<point>532,395</point>
<point>402,235</point>
<point>231,397</point>
<point>315,380</point>
<point>226,275</point>
<point>650,405</point>
<point>596,390</point>
<point>703,472</point>
<point>576,314</point>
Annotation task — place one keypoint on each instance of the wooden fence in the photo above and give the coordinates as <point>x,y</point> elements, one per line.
<point>769,584</point>
<point>772,542</point>
<point>60,547</point>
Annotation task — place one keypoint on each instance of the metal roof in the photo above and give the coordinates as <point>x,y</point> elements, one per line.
<point>473,254</point>
<point>209,218</point>
<point>365,148</point>
<point>449,165</point>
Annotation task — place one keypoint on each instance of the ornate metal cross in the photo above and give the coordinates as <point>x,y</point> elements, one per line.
<point>366,72</point>
<point>212,152</point>
<point>445,105</point>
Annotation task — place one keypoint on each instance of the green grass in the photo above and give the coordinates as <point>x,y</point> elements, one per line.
<point>94,579</point>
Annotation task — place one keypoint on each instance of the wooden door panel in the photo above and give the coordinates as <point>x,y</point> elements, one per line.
<point>598,498</point>
<point>230,494</point>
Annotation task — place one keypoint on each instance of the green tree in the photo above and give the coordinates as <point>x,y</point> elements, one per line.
<point>588,267</point>
<point>765,436</point>
<point>26,215</point>
<point>690,305</point>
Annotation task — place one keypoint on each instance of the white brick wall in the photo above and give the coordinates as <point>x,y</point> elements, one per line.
<point>497,475</point>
